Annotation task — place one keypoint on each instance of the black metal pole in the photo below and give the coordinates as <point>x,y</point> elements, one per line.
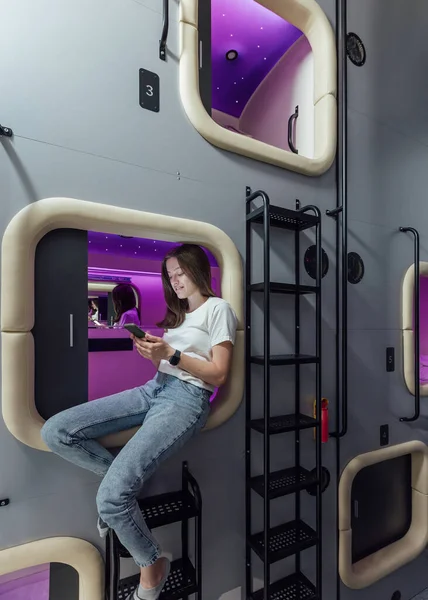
<point>342,202</point>
<point>248,575</point>
<point>318,412</point>
<point>185,530</point>
<point>417,333</point>
<point>112,557</point>
<point>266,383</point>
<point>297,383</point>
<point>343,196</point>
<point>199,546</point>
<point>318,397</point>
<point>266,412</point>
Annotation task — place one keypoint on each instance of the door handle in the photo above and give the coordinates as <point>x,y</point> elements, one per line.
<point>71,330</point>
<point>290,130</point>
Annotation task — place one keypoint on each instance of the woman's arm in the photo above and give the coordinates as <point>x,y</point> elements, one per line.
<point>214,372</point>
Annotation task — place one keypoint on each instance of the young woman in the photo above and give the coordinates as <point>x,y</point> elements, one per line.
<point>193,358</point>
<point>125,305</point>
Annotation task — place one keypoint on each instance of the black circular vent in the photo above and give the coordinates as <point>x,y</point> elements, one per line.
<point>310,262</point>
<point>355,268</point>
<point>355,49</point>
<point>396,595</point>
<point>325,481</point>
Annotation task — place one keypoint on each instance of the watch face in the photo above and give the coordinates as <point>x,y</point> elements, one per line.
<point>175,359</point>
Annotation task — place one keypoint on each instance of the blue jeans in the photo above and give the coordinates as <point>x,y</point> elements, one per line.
<point>171,412</point>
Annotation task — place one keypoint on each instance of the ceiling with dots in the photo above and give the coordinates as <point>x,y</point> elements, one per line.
<point>133,247</point>
<point>247,40</point>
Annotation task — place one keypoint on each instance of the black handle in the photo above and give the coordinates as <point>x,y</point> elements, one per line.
<point>162,41</point>
<point>6,131</point>
<point>290,130</point>
<point>416,300</point>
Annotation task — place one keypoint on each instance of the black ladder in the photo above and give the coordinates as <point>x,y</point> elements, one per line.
<point>291,538</point>
<point>185,578</point>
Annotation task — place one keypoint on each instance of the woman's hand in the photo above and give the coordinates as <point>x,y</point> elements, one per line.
<point>153,348</point>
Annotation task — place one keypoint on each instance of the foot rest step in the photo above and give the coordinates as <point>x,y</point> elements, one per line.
<point>177,585</point>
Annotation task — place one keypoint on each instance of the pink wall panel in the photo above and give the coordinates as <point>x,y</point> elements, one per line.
<point>112,372</point>
<point>26,584</point>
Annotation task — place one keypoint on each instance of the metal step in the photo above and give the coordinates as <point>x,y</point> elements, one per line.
<point>293,587</point>
<point>176,585</point>
<point>285,540</point>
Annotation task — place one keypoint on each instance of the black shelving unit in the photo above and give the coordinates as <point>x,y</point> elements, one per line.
<point>185,578</point>
<point>292,538</point>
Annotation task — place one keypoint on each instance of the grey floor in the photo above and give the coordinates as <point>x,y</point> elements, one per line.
<point>422,595</point>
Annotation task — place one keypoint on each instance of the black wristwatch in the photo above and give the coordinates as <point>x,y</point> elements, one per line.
<point>175,358</point>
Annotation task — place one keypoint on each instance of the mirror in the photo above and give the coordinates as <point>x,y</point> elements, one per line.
<point>51,581</point>
<point>101,300</point>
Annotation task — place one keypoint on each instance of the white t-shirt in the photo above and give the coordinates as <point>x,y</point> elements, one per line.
<point>212,323</point>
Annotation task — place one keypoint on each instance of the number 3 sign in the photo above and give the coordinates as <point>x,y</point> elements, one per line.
<point>149,90</point>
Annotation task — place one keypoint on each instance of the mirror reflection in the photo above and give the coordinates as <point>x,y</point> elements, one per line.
<point>112,308</point>
<point>51,581</point>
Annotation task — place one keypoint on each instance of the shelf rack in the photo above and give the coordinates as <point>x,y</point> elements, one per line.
<point>291,538</point>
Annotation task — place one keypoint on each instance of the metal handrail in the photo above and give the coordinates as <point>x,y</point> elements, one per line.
<point>318,394</point>
<point>290,130</point>
<point>416,301</point>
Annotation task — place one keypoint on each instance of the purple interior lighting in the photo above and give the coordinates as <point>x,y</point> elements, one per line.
<point>27,584</point>
<point>259,36</point>
<point>133,247</point>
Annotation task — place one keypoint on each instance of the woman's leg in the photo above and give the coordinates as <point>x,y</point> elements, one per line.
<point>177,412</point>
<point>73,433</point>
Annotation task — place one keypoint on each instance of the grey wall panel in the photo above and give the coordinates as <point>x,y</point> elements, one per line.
<point>384,168</point>
<point>87,99</point>
<point>390,87</point>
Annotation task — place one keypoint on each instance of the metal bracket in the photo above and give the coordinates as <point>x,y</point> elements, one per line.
<point>162,41</point>
<point>6,131</point>
<point>334,213</point>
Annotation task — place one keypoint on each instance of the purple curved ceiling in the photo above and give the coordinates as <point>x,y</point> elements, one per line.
<point>258,35</point>
<point>133,247</point>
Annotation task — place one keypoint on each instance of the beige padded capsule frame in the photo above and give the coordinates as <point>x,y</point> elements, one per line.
<point>407,326</point>
<point>311,20</point>
<point>17,298</point>
<point>77,553</point>
<point>383,562</point>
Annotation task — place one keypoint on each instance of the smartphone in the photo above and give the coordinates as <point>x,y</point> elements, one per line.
<point>132,328</point>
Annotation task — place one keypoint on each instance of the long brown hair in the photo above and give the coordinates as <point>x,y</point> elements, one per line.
<point>123,299</point>
<point>195,264</point>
